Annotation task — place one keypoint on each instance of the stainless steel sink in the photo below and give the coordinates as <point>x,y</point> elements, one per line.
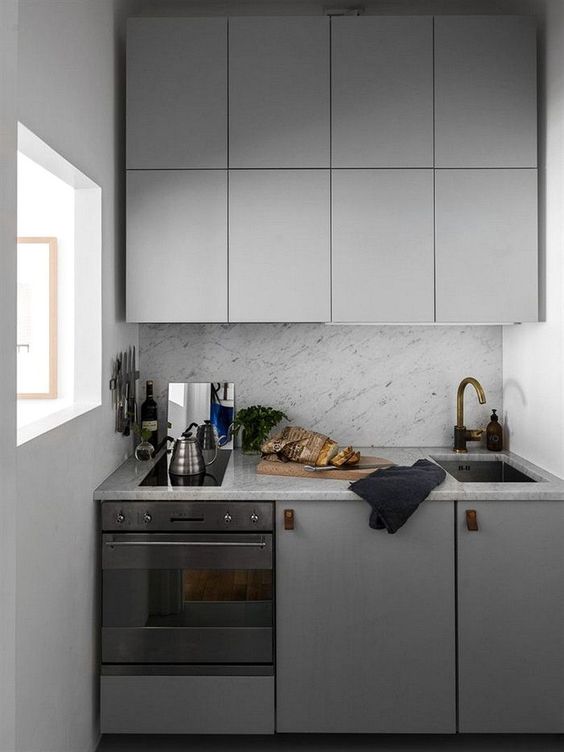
<point>483,471</point>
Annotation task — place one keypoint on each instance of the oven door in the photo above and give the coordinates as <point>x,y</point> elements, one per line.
<point>187,598</point>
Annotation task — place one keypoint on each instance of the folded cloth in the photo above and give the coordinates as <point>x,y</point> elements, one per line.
<point>394,494</point>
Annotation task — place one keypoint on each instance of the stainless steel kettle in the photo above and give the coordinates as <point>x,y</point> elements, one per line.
<point>187,457</point>
<point>206,434</point>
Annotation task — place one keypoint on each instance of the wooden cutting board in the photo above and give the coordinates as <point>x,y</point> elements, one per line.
<point>296,470</point>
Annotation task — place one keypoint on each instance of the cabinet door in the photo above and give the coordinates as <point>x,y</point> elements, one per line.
<point>365,638</point>
<point>511,617</point>
<point>383,245</point>
<point>279,92</point>
<point>486,246</point>
<point>279,249</point>
<point>382,91</point>
<point>485,91</point>
<point>176,93</point>
<point>177,245</point>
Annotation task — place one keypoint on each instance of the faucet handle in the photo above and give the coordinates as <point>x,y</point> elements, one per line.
<point>474,434</point>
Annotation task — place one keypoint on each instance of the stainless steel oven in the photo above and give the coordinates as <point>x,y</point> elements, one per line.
<point>187,617</point>
<point>187,583</point>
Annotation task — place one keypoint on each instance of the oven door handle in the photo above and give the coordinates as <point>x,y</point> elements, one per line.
<point>260,544</point>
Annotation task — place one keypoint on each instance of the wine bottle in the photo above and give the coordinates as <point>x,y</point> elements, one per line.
<point>149,420</point>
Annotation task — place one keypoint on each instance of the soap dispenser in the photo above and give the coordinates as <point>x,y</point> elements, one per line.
<point>494,434</point>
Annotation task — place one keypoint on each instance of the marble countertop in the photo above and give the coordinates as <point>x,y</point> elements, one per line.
<point>242,483</point>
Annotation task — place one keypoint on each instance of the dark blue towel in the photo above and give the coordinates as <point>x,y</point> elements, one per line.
<point>394,494</point>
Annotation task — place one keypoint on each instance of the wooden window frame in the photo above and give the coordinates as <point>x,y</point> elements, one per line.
<point>53,387</point>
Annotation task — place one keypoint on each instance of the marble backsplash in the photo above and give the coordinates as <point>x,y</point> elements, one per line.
<point>364,385</point>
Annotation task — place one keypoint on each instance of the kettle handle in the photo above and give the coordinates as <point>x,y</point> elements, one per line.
<point>190,427</point>
<point>207,464</point>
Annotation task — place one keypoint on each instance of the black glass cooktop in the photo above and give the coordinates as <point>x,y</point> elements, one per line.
<point>159,475</point>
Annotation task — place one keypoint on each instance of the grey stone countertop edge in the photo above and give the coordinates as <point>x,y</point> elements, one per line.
<point>241,483</point>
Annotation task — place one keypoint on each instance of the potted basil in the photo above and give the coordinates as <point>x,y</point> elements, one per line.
<point>256,422</point>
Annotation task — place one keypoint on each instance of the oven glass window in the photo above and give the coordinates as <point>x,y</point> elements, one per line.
<point>227,585</point>
<point>187,597</point>
<point>212,598</point>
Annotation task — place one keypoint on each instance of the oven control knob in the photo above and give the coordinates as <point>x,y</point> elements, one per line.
<point>120,517</point>
<point>227,518</point>
<point>147,517</point>
<point>254,517</point>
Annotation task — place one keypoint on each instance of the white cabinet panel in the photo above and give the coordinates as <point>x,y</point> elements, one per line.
<point>511,617</point>
<point>177,93</point>
<point>485,91</point>
<point>279,92</point>
<point>279,247</point>
<point>383,255</point>
<point>486,245</point>
<point>382,91</point>
<point>365,631</point>
<point>177,245</point>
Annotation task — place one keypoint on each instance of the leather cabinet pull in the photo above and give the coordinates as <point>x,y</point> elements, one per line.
<point>472,520</point>
<point>288,519</point>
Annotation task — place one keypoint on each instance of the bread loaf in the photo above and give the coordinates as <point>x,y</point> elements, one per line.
<point>296,444</point>
<point>343,457</point>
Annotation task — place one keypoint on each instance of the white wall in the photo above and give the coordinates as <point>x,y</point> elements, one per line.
<point>8,145</point>
<point>532,353</point>
<point>70,93</point>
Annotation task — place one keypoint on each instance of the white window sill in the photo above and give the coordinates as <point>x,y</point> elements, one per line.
<point>36,417</point>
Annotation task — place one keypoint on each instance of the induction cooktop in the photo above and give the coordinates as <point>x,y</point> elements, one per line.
<point>160,476</point>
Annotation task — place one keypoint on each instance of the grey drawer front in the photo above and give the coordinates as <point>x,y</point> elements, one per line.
<point>186,645</point>
<point>187,704</point>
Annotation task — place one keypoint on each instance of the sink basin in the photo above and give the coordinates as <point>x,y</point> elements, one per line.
<point>483,471</point>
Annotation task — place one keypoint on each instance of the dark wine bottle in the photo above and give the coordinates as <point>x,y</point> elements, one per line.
<point>149,420</point>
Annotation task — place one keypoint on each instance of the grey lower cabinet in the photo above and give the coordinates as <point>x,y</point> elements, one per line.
<point>279,245</point>
<point>485,91</point>
<point>365,638</point>
<point>511,617</point>
<point>486,238</point>
<point>176,93</point>
<point>383,246</point>
<point>279,92</point>
<point>176,245</point>
<point>382,91</point>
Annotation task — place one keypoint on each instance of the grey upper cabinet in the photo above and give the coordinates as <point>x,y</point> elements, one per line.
<point>365,632</point>
<point>511,617</point>
<point>382,91</point>
<point>486,246</point>
<point>279,92</point>
<point>304,116</point>
<point>176,245</point>
<point>279,246</point>
<point>485,91</point>
<point>176,93</point>
<point>383,248</point>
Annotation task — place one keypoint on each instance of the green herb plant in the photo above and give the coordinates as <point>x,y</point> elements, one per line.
<point>257,422</point>
<point>143,433</point>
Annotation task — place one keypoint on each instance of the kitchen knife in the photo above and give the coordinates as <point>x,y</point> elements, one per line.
<point>132,407</point>
<point>119,413</point>
<point>321,468</point>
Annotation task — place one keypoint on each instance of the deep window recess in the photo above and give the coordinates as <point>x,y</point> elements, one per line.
<point>59,289</point>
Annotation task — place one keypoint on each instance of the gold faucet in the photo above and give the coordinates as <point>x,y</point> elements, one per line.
<point>461,433</point>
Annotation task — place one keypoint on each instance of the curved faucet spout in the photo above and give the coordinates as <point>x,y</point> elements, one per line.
<point>461,434</point>
<point>460,397</point>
